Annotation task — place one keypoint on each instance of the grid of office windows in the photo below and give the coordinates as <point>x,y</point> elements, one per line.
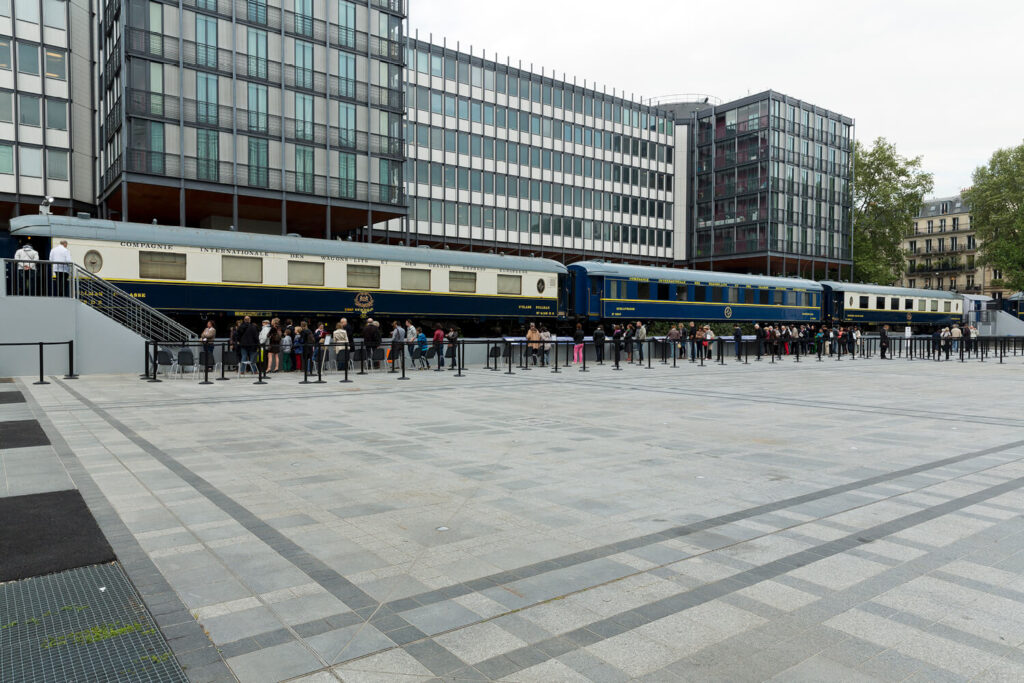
<point>501,156</point>
<point>35,135</point>
<point>273,96</point>
<point>773,176</point>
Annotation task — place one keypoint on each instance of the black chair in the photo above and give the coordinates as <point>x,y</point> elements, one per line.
<point>341,359</point>
<point>377,357</point>
<point>431,353</point>
<point>186,358</point>
<point>164,360</point>
<point>494,354</point>
<point>229,359</point>
<point>208,360</point>
<point>451,352</point>
<point>417,357</point>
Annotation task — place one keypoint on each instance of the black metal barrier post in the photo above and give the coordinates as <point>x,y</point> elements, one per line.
<point>145,362</point>
<point>746,352</point>
<point>664,351</point>
<point>617,344</point>
<point>584,368</point>
<point>206,367</point>
<point>305,367</point>
<point>555,369</point>
<point>819,345</point>
<point>488,366</point>
<point>650,352</point>
<point>460,353</point>
<point>223,358</point>
<point>346,380</point>
<point>796,350</point>
<point>320,365</point>
<point>362,358</point>
<point>259,367</point>
<point>71,360</point>
<point>41,380</point>
<point>156,356</point>
<point>403,366</point>
<point>508,345</point>
<point>524,355</point>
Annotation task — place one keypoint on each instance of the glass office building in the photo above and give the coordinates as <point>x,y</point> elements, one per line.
<point>772,188</point>
<point>268,115</point>
<point>45,115</point>
<point>504,158</point>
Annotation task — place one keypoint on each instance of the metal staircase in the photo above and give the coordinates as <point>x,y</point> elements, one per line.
<point>122,307</point>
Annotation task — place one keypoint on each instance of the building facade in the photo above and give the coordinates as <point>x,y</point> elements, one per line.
<point>941,249</point>
<point>503,158</point>
<point>325,120</point>
<point>266,115</point>
<point>772,188</point>
<point>46,125</point>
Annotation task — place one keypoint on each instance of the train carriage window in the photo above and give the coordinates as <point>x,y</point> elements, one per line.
<point>681,292</point>
<point>241,269</point>
<point>880,303</point>
<point>908,304</point>
<point>717,294</point>
<point>921,304</point>
<point>864,302</point>
<point>663,294</point>
<point>510,284</point>
<point>732,295</point>
<point>161,265</point>
<point>417,279</point>
<point>459,281</point>
<point>766,297</point>
<point>851,302</point>
<point>305,274</point>
<point>700,293</point>
<point>894,304</point>
<point>363,277</point>
<point>613,289</point>
<point>748,295</point>
<point>935,305</point>
<point>777,297</point>
<point>947,306</point>
<point>643,290</point>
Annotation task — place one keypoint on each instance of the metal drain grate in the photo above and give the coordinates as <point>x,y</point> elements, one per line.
<point>84,624</point>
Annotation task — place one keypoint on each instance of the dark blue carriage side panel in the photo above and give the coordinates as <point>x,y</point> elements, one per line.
<point>580,282</point>
<point>680,310</point>
<point>186,297</point>
<point>900,317</point>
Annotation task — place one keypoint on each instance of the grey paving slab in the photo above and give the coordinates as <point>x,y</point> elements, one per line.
<point>481,512</point>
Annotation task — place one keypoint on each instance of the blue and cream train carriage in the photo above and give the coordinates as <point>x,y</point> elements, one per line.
<point>876,305</point>
<point>613,291</point>
<point>196,271</point>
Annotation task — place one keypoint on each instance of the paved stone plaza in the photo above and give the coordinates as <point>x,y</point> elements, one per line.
<point>835,521</point>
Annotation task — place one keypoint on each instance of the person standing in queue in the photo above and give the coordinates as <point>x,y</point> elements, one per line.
<point>371,339</point>
<point>737,339</point>
<point>577,340</point>
<point>207,336</point>
<point>693,339</point>
<point>533,339</point>
<point>60,255</point>
<point>439,345</point>
<point>627,339</point>
<point>640,339</point>
<point>617,336</point>
<point>26,258</point>
<point>453,346</point>
<point>599,343</point>
<point>883,341</point>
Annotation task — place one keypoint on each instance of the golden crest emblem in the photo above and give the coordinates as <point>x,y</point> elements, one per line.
<point>364,300</point>
<point>728,312</point>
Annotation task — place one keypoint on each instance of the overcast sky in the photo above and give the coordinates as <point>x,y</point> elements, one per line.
<point>943,79</point>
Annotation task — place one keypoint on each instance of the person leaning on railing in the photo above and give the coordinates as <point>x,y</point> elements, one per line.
<point>26,266</point>
<point>60,255</point>
<point>207,336</point>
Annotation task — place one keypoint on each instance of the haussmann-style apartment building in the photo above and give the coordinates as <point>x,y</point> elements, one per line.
<point>941,250</point>
<point>325,119</point>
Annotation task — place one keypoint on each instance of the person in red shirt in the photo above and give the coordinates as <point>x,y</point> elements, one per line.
<point>439,344</point>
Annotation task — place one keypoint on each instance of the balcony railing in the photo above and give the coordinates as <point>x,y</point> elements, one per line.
<point>256,177</point>
<point>111,11</point>
<point>394,6</point>
<point>112,121</point>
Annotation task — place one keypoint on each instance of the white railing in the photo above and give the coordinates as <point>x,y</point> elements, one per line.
<point>55,279</point>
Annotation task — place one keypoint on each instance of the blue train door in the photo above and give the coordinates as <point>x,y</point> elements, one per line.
<point>594,286</point>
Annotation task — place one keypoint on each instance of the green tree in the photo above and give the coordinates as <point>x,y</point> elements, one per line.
<point>997,214</point>
<point>887,193</point>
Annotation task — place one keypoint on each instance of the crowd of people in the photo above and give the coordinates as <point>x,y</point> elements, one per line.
<point>286,346</point>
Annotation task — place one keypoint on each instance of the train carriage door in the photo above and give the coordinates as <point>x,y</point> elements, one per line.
<point>595,286</point>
